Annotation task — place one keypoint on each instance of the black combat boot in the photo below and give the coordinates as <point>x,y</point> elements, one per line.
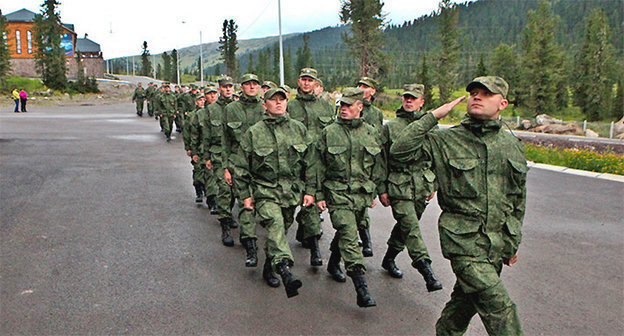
<point>333,266</point>
<point>291,283</point>
<point>299,236</point>
<point>389,265</point>
<point>252,252</point>
<point>199,193</point>
<point>367,247</point>
<point>233,223</point>
<point>424,267</point>
<point>226,239</point>
<point>268,275</point>
<point>211,202</point>
<point>364,299</point>
<point>315,252</point>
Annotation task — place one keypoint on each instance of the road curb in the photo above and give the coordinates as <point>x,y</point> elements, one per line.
<point>578,172</point>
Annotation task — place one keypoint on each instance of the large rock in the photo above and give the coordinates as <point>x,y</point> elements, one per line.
<point>525,124</point>
<point>545,119</point>
<point>570,128</point>
<point>591,134</point>
<point>618,129</point>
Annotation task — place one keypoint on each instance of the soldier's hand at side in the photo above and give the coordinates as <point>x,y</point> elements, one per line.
<point>308,200</point>
<point>208,165</point>
<point>195,158</point>
<point>444,110</point>
<point>248,203</point>
<point>322,205</point>
<point>430,197</point>
<point>384,199</point>
<point>227,177</point>
<point>511,261</point>
<point>373,204</point>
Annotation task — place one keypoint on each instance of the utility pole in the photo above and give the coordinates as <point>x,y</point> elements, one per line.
<point>281,48</point>
<point>154,66</point>
<point>127,66</point>
<point>201,60</point>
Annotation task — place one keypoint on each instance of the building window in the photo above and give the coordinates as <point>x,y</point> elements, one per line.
<point>29,39</point>
<point>18,42</point>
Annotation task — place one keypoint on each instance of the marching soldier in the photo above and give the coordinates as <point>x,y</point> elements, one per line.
<point>167,105</point>
<point>178,116</point>
<point>274,156</point>
<point>139,98</point>
<point>481,172</point>
<point>200,128</point>
<point>198,166</point>
<point>149,96</point>
<point>211,140</point>
<point>239,116</point>
<point>315,114</point>
<point>410,184</point>
<point>351,174</point>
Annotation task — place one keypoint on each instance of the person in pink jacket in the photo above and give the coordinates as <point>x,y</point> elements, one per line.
<point>23,98</point>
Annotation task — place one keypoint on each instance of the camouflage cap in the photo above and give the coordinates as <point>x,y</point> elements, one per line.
<point>285,88</point>
<point>368,82</point>
<point>210,89</point>
<point>414,90</point>
<point>272,92</point>
<point>270,84</point>
<point>199,96</point>
<point>225,80</point>
<point>350,95</point>
<point>193,87</point>
<point>309,72</point>
<point>493,83</point>
<point>250,77</point>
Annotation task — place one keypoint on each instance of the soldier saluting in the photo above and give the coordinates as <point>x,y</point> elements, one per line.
<point>481,172</point>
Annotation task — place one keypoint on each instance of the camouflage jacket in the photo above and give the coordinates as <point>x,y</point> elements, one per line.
<point>372,115</point>
<point>314,113</point>
<point>186,102</point>
<point>408,179</point>
<point>481,172</point>
<point>138,94</point>
<point>275,162</point>
<point>192,131</point>
<point>352,168</point>
<point>238,117</point>
<point>167,103</point>
<point>149,93</point>
<point>213,124</point>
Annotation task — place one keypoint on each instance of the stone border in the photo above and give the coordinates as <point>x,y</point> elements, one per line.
<point>578,172</point>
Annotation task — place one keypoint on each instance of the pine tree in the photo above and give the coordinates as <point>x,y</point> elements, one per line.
<point>542,60</point>
<point>504,65</point>
<point>166,69</point>
<point>366,40</point>
<point>276,63</point>
<point>424,79</point>
<point>146,63</point>
<point>228,45</point>
<point>304,56</point>
<point>250,64</point>
<point>448,51</point>
<point>217,70</point>
<point>481,69</point>
<point>159,72</point>
<point>5,64</point>
<point>49,55</point>
<point>174,66</point>
<point>594,86</point>
<point>288,70</point>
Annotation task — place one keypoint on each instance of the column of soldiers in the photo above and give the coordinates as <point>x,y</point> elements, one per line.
<point>272,155</point>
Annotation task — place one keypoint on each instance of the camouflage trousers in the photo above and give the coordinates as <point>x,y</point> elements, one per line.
<point>406,231</point>
<point>246,221</point>
<point>364,223</point>
<point>210,179</point>
<point>276,220</point>
<point>479,290</point>
<point>139,105</point>
<point>166,121</point>
<point>345,222</point>
<point>225,194</point>
<point>309,222</point>
<point>179,122</point>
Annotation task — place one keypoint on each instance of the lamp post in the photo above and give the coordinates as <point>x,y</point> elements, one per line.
<point>281,48</point>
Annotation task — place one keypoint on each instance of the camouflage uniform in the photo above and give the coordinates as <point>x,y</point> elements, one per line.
<point>199,125</point>
<point>139,98</point>
<point>238,117</point>
<point>481,172</point>
<point>167,104</point>
<point>192,135</point>
<point>149,95</point>
<point>315,114</point>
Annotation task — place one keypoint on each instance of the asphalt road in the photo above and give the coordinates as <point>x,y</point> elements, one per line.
<point>100,235</point>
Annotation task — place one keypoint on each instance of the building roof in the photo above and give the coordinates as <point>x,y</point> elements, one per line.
<point>86,45</point>
<point>23,15</point>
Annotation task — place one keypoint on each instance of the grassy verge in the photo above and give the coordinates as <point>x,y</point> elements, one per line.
<point>577,159</point>
<point>29,85</point>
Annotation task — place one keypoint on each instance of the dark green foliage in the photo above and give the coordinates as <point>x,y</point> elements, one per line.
<point>228,45</point>
<point>425,79</point>
<point>5,65</point>
<point>504,65</point>
<point>159,71</point>
<point>617,111</point>
<point>304,56</point>
<point>481,68</point>
<point>50,57</point>
<point>447,53</point>
<point>593,71</point>
<point>289,77</point>
<point>275,75</point>
<point>146,63</point>
<point>250,65</point>
<point>166,68</point>
<point>174,67</point>
<point>366,39</point>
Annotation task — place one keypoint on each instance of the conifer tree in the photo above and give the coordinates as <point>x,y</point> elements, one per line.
<point>481,69</point>
<point>366,40</point>
<point>49,55</point>
<point>504,65</point>
<point>304,56</point>
<point>250,65</point>
<point>448,51</point>
<point>228,45</point>
<point>166,68</point>
<point>5,64</point>
<point>594,86</point>
<point>146,63</point>
<point>174,67</point>
<point>617,111</point>
<point>424,78</point>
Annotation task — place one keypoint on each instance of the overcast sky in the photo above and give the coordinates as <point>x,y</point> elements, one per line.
<point>121,26</point>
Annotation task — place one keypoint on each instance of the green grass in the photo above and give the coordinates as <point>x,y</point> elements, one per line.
<point>29,85</point>
<point>577,159</point>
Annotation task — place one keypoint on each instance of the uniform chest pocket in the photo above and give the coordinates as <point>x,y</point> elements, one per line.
<point>337,158</point>
<point>465,178</point>
<point>370,153</point>
<point>215,123</point>
<point>517,176</point>
<point>235,128</point>
<point>324,121</point>
<point>263,162</point>
<point>297,153</point>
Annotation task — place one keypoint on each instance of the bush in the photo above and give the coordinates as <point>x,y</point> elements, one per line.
<point>577,159</point>
<point>89,85</point>
<point>29,85</point>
